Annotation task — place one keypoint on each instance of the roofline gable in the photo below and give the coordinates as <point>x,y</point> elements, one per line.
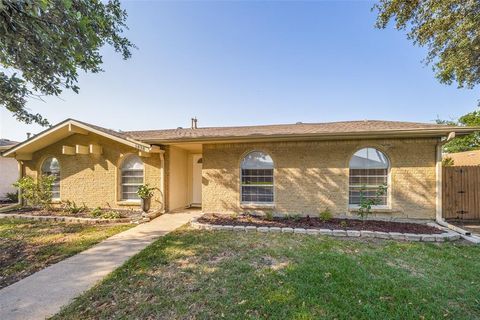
<point>72,125</point>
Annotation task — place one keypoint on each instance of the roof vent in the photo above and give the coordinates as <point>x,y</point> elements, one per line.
<point>194,123</point>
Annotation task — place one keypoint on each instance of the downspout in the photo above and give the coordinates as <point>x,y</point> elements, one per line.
<point>20,176</point>
<point>439,185</point>
<point>162,179</point>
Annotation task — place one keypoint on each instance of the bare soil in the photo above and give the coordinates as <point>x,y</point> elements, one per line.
<point>316,223</point>
<point>28,246</point>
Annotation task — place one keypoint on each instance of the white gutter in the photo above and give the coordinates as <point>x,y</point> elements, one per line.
<point>162,180</point>
<point>439,205</point>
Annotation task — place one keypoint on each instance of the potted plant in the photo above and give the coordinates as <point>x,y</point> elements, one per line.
<point>145,192</point>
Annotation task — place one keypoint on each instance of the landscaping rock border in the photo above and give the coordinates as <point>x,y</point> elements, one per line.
<point>446,236</point>
<point>63,219</point>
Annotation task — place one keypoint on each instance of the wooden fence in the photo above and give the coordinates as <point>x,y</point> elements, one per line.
<point>461,192</point>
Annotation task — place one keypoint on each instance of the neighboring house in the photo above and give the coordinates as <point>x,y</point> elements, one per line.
<point>287,169</point>
<point>8,169</point>
<point>467,158</point>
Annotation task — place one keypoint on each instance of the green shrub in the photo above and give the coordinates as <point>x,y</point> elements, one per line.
<point>366,204</point>
<point>111,215</point>
<point>72,208</point>
<point>145,191</point>
<point>344,224</point>
<point>448,162</point>
<point>97,212</point>
<point>295,217</point>
<point>101,214</point>
<point>325,215</point>
<point>36,193</point>
<point>269,216</point>
<point>12,196</point>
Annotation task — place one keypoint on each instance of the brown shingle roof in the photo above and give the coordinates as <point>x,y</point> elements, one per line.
<point>467,158</point>
<point>7,143</point>
<point>118,134</point>
<point>300,129</point>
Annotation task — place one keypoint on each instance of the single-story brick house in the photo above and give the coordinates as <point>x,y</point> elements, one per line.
<point>300,168</point>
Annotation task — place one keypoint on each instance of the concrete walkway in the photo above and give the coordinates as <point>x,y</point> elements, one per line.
<point>43,293</point>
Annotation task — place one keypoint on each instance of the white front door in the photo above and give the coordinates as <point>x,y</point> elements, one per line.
<point>197,179</point>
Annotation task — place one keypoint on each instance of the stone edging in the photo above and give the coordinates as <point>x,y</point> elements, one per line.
<point>446,236</point>
<point>63,219</point>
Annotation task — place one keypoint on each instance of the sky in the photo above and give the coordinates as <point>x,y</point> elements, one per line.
<point>253,62</point>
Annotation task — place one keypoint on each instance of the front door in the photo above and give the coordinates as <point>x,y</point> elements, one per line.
<point>197,179</point>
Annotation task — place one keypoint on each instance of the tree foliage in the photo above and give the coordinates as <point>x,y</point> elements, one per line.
<point>450,29</point>
<point>44,43</point>
<point>468,142</point>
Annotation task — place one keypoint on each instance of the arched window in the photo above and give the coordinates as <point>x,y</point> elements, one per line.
<point>257,178</point>
<point>369,170</point>
<point>132,177</point>
<point>51,167</point>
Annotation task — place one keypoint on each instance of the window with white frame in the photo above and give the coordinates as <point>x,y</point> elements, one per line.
<point>369,169</point>
<point>257,178</point>
<point>51,167</point>
<point>132,178</point>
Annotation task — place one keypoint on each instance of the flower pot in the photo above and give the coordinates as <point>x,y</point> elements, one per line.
<point>146,204</point>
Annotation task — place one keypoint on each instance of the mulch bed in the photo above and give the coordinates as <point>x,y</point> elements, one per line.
<point>61,213</point>
<point>5,203</point>
<point>315,223</point>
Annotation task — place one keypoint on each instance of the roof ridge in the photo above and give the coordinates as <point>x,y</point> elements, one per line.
<point>290,124</point>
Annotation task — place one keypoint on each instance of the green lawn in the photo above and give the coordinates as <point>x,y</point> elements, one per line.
<point>27,246</point>
<point>192,274</point>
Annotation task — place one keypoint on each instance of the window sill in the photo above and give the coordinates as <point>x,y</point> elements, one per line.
<point>379,209</point>
<point>129,203</point>
<point>257,205</point>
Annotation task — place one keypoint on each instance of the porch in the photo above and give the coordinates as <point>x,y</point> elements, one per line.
<point>184,176</point>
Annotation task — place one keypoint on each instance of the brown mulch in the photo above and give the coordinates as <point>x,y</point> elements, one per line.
<point>315,223</point>
<point>62,213</point>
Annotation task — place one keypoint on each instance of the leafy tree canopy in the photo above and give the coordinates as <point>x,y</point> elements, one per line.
<point>464,143</point>
<point>43,44</point>
<point>450,29</point>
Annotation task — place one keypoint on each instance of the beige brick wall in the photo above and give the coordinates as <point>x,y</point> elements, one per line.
<point>94,179</point>
<point>311,176</point>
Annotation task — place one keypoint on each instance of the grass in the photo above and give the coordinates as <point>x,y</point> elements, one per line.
<point>193,274</point>
<point>27,246</point>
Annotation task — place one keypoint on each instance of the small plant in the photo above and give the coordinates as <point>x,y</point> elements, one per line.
<point>234,216</point>
<point>325,215</point>
<point>366,204</point>
<point>12,196</point>
<point>269,216</point>
<point>36,193</point>
<point>145,191</point>
<point>343,224</point>
<point>72,208</point>
<point>295,217</point>
<point>97,212</point>
<point>111,215</point>
<point>448,162</point>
